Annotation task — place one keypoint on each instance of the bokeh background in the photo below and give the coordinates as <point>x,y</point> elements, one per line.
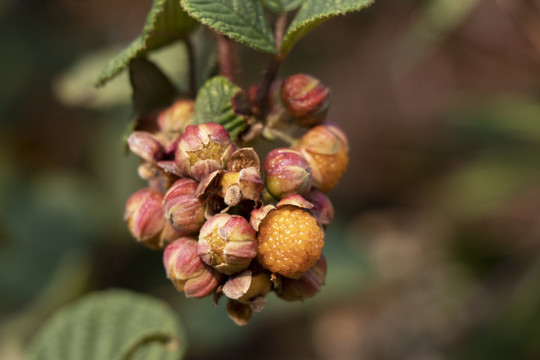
<point>435,250</point>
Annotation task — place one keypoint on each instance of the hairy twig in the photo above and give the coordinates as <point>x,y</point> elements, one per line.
<point>228,60</point>
<point>192,82</point>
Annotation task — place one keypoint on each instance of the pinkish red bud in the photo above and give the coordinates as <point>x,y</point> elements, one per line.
<point>144,214</point>
<point>146,146</point>
<point>168,235</point>
<point>174,120</point>
<point>228,243</point>
<point>183,208</point>
<point>287,172</point>
<point>305,98</point>
<point>308,285</point>
<point>186,270</point>
<point>322,207</point>
<point>202,149</point>
<point>326,149</point>
<point>239,312</point>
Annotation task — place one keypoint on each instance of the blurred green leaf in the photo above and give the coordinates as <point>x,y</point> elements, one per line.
<point>75,85</point>
<point>151,88</point>
<point>513,332</point>
<point>115,324</point>
<point>484,184</point>
<point>433,24</point>
<point>282,5</point>
<point>242,20</point>
<point>313,13</point>
<point>213,104</point>
<point>47,219</point>
<point>166,23</point>
<point>500,119</point>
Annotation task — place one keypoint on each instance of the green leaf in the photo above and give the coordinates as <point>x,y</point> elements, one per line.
<point>214,104</point>
<point>114,324</point>
<point>315,12</point>
<point>282,5</point>
<point>166,23</point>
<point>242,20</point>
<point>151,88</point>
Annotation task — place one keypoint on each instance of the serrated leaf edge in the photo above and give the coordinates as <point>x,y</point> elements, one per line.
<point>233,35</point>
<point>296,31</point>
<point>105,76</point>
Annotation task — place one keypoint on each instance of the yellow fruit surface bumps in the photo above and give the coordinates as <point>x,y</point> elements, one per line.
<point>289,241</point>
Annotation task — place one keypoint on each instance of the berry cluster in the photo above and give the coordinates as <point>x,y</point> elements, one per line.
<point>228,228</point>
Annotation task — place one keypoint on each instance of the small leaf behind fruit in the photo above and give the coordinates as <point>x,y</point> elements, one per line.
<point>214,104</point>
<point>242,20</point>
<point>115,324</point>
<point>151,88</point>
<point>166,22</point>
<point>313,13</point>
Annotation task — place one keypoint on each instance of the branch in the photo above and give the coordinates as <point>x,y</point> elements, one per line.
<point>228,61</point>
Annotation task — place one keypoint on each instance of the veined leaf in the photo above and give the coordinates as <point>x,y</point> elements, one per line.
<point>114,324</point>
<point>166,22</point>
<point>315,12</point>
<point>282,5</point>
<point>242,20</point>
<point>214,104</point>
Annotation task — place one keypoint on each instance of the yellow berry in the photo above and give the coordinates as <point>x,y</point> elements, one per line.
<point>289,241</point>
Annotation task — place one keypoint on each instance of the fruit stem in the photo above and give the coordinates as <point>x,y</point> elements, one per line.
<point>192,68</point>
<point>272,69</point>
<point>228,61</point>
<point>271,134</point>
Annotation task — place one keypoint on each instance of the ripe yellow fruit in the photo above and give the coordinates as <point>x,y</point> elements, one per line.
<point>326,149</point>
<point>289,241</point>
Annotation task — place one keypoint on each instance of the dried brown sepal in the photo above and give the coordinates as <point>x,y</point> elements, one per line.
<point>295,200</point>
<point>243,158</point>
<point>233,186</point>
<point>238,312</point>
<point>259,214</point>
<point>169,167</point>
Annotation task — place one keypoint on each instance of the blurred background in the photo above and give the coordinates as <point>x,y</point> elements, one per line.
<point>435,250</point>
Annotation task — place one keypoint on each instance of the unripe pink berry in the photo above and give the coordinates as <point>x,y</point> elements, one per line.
<point>228,243</point>
<point>322,207</point>
<point>174,120</point>
<point>186,270</point>
<point>183,208</point>
<point>144,214</point>
<point>146,146</point>
<point>305,98</point>
<point>287,172</point>
<point>203,149</point>
<point>308,285</point>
